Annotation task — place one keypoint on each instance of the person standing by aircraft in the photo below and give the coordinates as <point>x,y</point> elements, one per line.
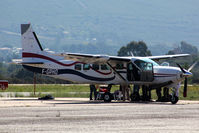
<point>93,90</point>
<point>128,89</point>
<point>109,87</point>
<point>135,96</point>
<point>165,97</point>
<point>159,95</point>
<point>146,93</point>
<point>125,91</point>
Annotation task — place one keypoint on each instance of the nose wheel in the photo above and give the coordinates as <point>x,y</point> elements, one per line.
<point>174,99</point>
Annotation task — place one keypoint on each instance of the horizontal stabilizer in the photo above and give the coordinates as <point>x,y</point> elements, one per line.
<point>20,62</point>
<point>34,63</point>
<point>16,61</point>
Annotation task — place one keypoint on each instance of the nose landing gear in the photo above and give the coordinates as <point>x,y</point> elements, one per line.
<point>173,97</point>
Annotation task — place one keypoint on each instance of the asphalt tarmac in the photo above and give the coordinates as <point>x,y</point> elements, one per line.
<point>80,115</point>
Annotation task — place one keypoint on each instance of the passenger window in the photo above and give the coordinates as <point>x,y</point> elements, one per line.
<point>130,67</point>
<point>86,66</point>
<point>95,67</point>
<point>104,67</point>
<point>78,66</point>
<point>119,66</point>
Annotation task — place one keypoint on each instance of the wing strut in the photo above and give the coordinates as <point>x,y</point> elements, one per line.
<point>120,76</point>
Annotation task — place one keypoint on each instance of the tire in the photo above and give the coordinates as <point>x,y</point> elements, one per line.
<point>174,99</point>
<point>107,97</point>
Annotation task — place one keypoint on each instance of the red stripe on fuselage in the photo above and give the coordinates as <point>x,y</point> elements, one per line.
<point>33,55</point>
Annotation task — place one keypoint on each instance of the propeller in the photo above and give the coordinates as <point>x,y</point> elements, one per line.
<point>181,68</point>
<point>192,66</point>
<point>185,88</point>
<point>186,74</point>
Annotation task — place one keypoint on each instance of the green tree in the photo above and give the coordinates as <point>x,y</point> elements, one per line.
<point>184,48</point>
<point>137,48</point>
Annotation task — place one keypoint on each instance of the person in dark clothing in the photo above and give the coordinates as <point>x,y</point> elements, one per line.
<point>165,98</point>
<point>93,89</point>
<point>123,92</point>
<point>109,87</point>
<point>149,94</point>
<point>146,93</point>
<point>135,96</point>
<point>122,89</point>
<point>158,92</point>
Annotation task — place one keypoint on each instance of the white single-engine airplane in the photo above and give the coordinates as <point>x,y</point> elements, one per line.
<point>101,69</point>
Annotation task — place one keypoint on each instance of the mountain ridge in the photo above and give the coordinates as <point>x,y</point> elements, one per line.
<point>101,26</point>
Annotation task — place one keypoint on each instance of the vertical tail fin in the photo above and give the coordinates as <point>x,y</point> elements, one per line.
<point>30,42</point>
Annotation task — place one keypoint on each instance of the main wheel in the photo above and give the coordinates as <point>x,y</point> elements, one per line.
<point>174,99</point>
<point>107,97</point>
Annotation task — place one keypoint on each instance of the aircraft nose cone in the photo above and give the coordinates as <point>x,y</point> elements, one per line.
<point>187,74</point>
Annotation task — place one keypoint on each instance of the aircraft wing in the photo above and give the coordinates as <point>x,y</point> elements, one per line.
<point>91,58</point>
<point>167,56</point>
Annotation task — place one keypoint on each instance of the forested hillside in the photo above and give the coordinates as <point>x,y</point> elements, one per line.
<point>98,27</point>
<point>101,26</point>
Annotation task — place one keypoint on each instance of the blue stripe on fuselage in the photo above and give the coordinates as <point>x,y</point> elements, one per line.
<point>69,71</point>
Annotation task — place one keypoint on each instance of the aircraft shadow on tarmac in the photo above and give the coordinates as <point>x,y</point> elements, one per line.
<point>102,102</point>
<point>18,99</point>
<point>67,101</point>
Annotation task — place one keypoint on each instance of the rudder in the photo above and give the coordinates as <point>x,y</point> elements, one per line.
<point>30,42</point>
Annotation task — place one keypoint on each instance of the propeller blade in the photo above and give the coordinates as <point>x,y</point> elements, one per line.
<point>185,87</point>
<point>181,68</point>
<point>192,66</point>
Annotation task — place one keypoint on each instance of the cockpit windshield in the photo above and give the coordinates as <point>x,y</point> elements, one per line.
<point>145,63</point>
<point>150,61</point>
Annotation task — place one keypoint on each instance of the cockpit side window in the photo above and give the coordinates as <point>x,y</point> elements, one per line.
<point>149,66</point>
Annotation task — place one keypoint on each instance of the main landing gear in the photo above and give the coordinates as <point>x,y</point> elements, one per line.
<point>173,97</point>
<point>107,97</point>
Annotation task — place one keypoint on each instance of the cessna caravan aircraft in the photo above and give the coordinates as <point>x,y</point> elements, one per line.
<point>101,69</point>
